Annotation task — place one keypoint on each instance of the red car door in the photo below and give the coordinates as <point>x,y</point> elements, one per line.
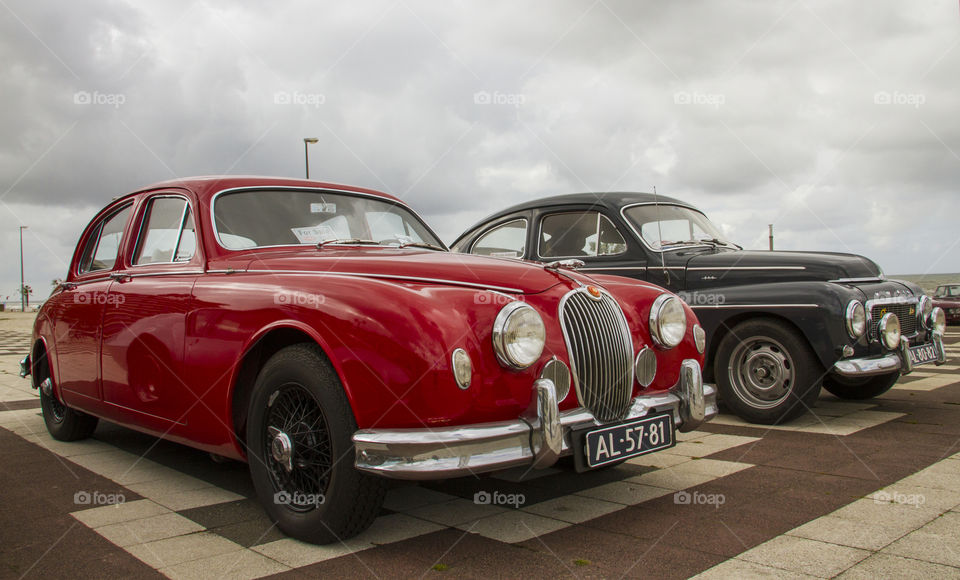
<point>79,308</point>
<point>143,324</point>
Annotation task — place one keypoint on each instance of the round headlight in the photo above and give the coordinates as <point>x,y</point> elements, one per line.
<point>462,368</point>
<point>668,321</point>
<point>518,335</point>
<point>924,310</point>
<point>856,319</point>
<point>938,320</point>
<point>889,330</point>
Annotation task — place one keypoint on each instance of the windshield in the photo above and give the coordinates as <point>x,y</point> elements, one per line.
<point>948,291</point>
<point>665,226</point>
<point>251,219</point>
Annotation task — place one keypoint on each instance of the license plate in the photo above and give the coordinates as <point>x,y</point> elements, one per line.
<point>618,442</point>
<point>923,354</point>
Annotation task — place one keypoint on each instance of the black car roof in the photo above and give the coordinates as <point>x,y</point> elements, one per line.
<point>609,199</point>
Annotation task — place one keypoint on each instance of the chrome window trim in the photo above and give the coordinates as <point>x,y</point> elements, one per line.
<point>99,228</point>
<point>143,224</point>
<point>589,268</point>
<point>526,225</point>
<point>725,269</point>
<point>600,214</point>
<point>216,232</point>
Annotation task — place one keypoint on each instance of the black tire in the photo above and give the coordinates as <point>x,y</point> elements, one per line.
<point>859,389</point>
<point>298,410</point>
<point>766,372</point>
<point>64,423</point>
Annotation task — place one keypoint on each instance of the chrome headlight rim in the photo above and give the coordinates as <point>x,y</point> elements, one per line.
<point>938,320</point>
<point>463,375</point>
<point>501,328</point>
<point>925,311</point>
<point>856,319</point>
<point>656,321</point>
<point>889,326</point>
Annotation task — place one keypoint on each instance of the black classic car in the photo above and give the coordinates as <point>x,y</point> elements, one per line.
<point>779,324</point>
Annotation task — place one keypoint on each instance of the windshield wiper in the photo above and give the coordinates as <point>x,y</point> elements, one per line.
<point>421,245</point>
<point>680,243</point>
<point>719,242</point>
<point>357,241</point>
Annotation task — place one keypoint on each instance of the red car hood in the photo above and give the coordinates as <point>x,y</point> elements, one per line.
<point>505,274</point>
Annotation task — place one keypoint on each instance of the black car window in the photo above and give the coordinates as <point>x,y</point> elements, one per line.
<point>507,240</point>
<point>103,245</point>
<point>575,234</point>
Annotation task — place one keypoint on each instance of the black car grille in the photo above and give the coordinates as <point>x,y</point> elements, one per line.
<point>601,353</point>
<point>906,312</point>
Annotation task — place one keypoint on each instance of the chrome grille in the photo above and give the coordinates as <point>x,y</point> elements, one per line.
<point>601,352</point>
<point>905,311</point>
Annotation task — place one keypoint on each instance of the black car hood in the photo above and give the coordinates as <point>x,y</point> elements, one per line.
<point>733,268</point>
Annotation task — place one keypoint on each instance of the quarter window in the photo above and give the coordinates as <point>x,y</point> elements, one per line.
<point>168,234</point>
<point>103,245</point>
<point>575,234</point>
<point>505,241</point>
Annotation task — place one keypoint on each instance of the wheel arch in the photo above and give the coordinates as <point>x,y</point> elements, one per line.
<point>727,325</point>
<point>264,345</point>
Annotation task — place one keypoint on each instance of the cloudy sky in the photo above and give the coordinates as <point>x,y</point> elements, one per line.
<point>836,122</point>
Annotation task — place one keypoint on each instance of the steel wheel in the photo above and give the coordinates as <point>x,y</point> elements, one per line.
<point>297,448</point>
<point>761,372</point>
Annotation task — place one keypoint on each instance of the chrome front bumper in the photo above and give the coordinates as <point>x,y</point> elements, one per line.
<point>536,440</point>
<point>895,361</point>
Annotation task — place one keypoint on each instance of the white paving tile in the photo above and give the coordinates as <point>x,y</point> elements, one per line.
<point>180,549</point>
<point>625,492</point>
<point>513,526</point>
<point>455,512</point>
<point>741,569</point>
<point>572,508</point>
<point>240,565</point>
<point>149,529</point>
<point>124,512</point>
<point>805,556</point>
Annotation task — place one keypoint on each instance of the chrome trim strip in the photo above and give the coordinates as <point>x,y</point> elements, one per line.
<point>717,306</point>
<point>590,268</point>
<point>380,276</point>
<point>526,225</point>
<point>856,280</point>
<point>749,268</point>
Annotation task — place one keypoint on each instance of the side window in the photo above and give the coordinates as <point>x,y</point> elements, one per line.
<point>102,247</point>
<point>505,241</point>
<point>167,233</point>
<point>574,234</point>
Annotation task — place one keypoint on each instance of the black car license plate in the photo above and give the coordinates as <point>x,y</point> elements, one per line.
<point>923,354</point>
<point>618,442</point>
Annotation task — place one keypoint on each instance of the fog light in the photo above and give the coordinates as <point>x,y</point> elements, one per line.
<point>938,320</point>
<point>557,372</point>
<point>889,330</point>
<point>462,368</point>
<point>645,367</point>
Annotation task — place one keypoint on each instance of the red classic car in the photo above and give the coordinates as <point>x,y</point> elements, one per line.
<point>947,297</point>
<point>323,334</point>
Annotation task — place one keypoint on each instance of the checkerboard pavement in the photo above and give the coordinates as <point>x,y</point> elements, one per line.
<point>729,499</point>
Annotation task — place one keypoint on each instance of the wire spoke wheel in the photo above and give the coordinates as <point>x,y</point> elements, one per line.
<point>297,448</point>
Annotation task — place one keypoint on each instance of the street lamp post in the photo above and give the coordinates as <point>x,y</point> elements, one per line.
<point>23,298</point>
<point>306,152</point>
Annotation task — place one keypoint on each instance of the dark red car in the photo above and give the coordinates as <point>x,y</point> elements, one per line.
<point>323,334</point>
<point>947,297</point>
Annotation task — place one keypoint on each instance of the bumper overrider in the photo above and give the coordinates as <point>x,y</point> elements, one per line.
<point>894,361</point>
<point>537,440</point>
